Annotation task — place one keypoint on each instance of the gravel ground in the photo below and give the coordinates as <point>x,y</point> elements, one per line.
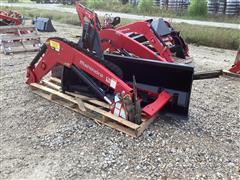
<point>42,140</point>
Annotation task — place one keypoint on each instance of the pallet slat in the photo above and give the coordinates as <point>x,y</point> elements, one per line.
<point>11,29</point>
<point>55,80</point>
<point>94,101</point>
<point>20,49</point>
<point>13,37</point>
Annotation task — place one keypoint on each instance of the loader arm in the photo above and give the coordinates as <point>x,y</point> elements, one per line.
<point>84,13</point>
<point>56,51</point>
<point>143,27</point>
<point>113,40</point>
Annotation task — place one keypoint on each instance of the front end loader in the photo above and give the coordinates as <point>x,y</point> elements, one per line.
<point>153,39</point>
<point>135,88</point>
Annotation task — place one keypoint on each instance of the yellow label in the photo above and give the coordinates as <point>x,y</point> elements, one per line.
<point>55,45</point>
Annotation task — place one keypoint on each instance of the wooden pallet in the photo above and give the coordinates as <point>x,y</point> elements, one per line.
<point>90,107</point>
<point>14,39</point>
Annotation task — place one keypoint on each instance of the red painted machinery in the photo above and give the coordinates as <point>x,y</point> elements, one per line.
<point>16,37</point>
<point>152,39</point>
<point>133,87</point>
<point>236,67</point>
<point>10,18</point>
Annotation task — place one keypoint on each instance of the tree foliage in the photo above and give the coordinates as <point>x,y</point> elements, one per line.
<point>198,8</point>
<point>145,5</point>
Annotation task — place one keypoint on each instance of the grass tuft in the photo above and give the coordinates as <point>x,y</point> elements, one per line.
<point>210,36</point>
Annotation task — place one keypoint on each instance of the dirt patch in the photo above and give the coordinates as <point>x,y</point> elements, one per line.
<point>41,140</point>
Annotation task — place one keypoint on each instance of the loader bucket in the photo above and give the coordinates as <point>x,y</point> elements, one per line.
<point>43,24</point>
<point>156,76</point>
